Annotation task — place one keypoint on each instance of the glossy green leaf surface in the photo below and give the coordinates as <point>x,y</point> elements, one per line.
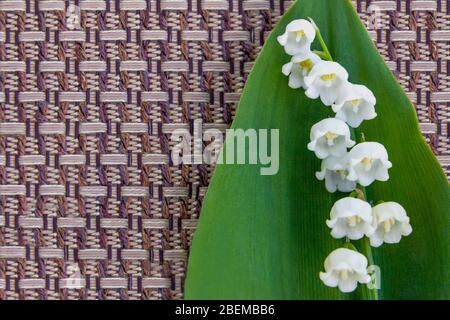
<point>265,237</point>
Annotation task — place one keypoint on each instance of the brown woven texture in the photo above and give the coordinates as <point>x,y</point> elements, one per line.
<point>87,188</point>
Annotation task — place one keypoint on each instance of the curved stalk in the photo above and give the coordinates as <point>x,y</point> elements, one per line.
<point>360,191</point>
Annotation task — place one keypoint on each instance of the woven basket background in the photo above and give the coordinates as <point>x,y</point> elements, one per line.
<point>87,188</point>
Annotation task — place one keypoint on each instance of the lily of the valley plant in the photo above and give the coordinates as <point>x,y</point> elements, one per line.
<point>352,218</point>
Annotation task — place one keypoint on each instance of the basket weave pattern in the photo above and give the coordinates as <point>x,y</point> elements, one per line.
<point>90,92</point>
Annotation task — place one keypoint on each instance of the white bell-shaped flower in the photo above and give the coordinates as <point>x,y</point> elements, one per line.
<point>390,222</point>
<point>299,67</point>
<point>335,172</point>
<point>298,36</point>
<point>355,105</point>
<point>351,218</point>
<point>368,161</point>
<point>330,137</point>
<point>326,80</point>
<point>344,268</point>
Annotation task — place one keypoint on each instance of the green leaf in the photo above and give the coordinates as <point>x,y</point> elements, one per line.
<point>264,237</point>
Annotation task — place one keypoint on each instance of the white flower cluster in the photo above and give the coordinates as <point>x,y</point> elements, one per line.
<point>350,217</point>
<point>354,218</point>
<point>352,104</point>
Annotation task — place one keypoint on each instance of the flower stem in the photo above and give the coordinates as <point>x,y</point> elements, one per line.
<point>372,293</point>
<point>349,245</point>
<point>326,53</point>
